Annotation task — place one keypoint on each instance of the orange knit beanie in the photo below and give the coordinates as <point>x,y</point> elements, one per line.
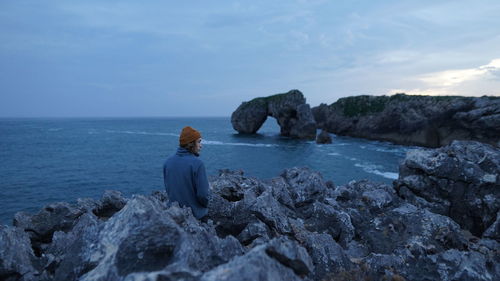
<point>188,135</point>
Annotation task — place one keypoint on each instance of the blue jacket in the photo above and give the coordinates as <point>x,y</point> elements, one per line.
<point>186,181</point>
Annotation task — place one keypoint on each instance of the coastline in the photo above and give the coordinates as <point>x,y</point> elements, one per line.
<point>296,225</point>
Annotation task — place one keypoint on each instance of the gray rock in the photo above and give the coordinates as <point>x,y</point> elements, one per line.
<point>259,265</point>
<point>73,251</point>
<point>16,255</point>
<point>323,218</point>
<point>254,233</point>
<point>40,227</point>
<point>290,254</point>
<point>323,137</point>
<point>413,120</point>
<point>146,236</point>
<point>460,181</point>
<point>111,202</point>
<point>327,256</point>
<point>305,186</point>
<point>291,112</point>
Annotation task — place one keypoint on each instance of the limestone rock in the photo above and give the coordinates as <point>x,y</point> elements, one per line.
<point>413,120</point>
<point>460,181</point>
<point>293,115</point>
<point>16,255</point>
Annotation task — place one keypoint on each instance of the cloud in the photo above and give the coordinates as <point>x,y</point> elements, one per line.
<point>477,81</point>
<point>455,77</point>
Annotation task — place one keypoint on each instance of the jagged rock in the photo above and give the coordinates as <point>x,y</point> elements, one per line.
<point>40,227</point>
<point>277,260</point>
<point>146,236</point>
<point>323,137</point>
<point>16,255</point>
<point>323,218</point>
<point>415,120</point>
<point>292,227</point>
<point>304,185</point>
<point>290,254</point>
<point>111,202</point>
<point>493,231</point>
<point>293,115</point>
<point>72,252</point>
<point>327,255</point>
<point>255,233</point>
<point>460,181</point>
<point>448,265</point>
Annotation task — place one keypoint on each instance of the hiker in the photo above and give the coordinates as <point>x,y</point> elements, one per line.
<point>184,174</point>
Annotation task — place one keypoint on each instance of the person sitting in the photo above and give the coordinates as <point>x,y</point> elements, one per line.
<point>184,174</point>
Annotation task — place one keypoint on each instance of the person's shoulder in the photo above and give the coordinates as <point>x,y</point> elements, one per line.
<point>196,161</point>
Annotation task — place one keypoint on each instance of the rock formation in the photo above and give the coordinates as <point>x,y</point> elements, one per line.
<point>439,222</point>
<point>323,137</point>
<point>292,113</point>
<point>430,121</point>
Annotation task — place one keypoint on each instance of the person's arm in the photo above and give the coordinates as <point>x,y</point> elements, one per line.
<point>165,176</point>
<point>202,186</point>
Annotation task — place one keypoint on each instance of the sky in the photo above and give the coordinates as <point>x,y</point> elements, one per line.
<point>98,58</point>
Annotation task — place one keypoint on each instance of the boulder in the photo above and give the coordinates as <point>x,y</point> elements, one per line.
<point>293,115</point>
<point>16,255</point>
<point>323,137</point>
<point>256,265</point>
<point>460,181</point>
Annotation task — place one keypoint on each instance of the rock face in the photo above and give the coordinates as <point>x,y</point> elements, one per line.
<point>438,222</point>
<point>292,113</point>
<point>464,180</point>
<point>415,120</point>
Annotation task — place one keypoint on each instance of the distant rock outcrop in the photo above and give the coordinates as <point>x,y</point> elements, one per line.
<point>323,137</point>
<point>292,113</point>
<point>430,121</point>
<point>439,222</point>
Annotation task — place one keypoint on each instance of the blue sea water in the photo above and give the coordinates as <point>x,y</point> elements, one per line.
<point>49,160</point>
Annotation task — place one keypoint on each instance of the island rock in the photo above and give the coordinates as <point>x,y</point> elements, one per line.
<point>290,110</point>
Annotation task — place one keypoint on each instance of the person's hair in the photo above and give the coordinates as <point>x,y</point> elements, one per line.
<point>191,147</point>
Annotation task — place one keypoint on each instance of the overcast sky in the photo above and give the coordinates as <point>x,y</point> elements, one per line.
<point>203,58</point>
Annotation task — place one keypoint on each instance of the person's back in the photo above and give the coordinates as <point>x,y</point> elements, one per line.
<point>185,176</point>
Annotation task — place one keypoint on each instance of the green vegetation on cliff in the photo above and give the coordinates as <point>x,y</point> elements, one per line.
<point>365,104</point>
<point>277,98</point>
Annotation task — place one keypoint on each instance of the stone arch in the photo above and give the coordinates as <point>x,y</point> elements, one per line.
<point>290,110</point>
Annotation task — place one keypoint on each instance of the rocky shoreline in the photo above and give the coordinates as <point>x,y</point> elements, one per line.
<point>429,121</point>
<point>439,221</point>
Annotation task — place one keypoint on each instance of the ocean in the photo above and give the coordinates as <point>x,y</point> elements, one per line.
<point>50,160</point>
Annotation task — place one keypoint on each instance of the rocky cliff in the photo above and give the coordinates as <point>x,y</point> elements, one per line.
<point>290,110</point>
<point>440,221</point>
<point>430,121</point>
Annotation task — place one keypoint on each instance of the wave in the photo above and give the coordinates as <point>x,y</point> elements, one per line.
<point>372,169</point>
<point>209,142</point>
<point>143,133</point>
<point>334,154</point>
<point>54,129</point>
<point>378,148</point>
<point>204,141</point>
